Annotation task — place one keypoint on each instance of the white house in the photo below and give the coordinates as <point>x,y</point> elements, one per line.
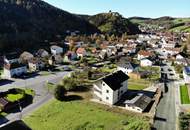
<point>186,74</point>
<point>180,60</point>
<point>35,64</point>
<point>146,62</point>
<point>170,44</point>
<point>138,103</point>
<point>125,67</point>
<point>56,50</point>
<point>171,51</point>
<point>143,54</point>
<point>110,89</point>
<point>129,50</point>
<point>14,69</point>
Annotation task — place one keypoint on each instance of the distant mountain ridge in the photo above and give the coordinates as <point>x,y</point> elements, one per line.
<point>26,23</point>
<point>113,23</point>
<point>170,23</point>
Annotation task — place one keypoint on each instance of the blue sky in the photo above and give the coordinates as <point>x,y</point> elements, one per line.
<point>128,8</point>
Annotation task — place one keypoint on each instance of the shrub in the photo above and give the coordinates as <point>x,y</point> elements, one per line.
<point>69,83</point>
<point>59,92</point>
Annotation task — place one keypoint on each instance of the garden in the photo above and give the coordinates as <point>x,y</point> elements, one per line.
<point>81,115</point>
<point>11,98</point>
<point>184,94</point>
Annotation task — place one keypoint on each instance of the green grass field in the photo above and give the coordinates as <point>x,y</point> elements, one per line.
<point>79,115</point>
<point>138,84</point>
<point>14,97</point>
<point>184,95</point>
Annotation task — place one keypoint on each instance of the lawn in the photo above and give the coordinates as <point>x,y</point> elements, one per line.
<point>14,97</point>
<point>79,115</point>
<point>153,70</point>
<point>138,84</point>
<point>184,95</point>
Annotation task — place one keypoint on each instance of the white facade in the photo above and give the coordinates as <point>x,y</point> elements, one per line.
<point>133,108</point>
<point>139,57</point>
<point>146,62</point>
<point>35,66</point>
<point>126,69</point>
<point>14,72</point>
<point>105,94</point>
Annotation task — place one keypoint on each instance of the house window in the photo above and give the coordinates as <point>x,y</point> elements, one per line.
<point>107,91</point>
<point>107,98</point>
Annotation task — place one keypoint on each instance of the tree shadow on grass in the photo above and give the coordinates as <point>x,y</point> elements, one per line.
<point>72,98</point>
<point>81,89</point>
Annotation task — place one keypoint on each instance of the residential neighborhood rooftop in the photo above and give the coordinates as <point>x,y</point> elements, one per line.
<point>115,80</point>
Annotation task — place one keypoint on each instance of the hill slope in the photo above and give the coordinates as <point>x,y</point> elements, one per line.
<point>25,22</point>
<point>171,24</point>
<point>113,23</point>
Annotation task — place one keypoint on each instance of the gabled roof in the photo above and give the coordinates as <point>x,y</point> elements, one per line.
<point>41,51</point>
<point>141,101</point>
<point>115,80</point>
<point>54,47</point>
<point>13,66</point>
<point>3,102</point>
<point>125,64</point>
<point>145,53</point>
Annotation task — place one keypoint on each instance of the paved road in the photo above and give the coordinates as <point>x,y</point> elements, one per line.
<point>42,96</point>
<point>166,110</point>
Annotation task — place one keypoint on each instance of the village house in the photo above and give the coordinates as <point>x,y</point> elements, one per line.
<point>35,64</point>
<point>56,50</point>
<point>25,57</point>
<point>81,52</point>
<point>171,51</point>
<point>129,50</point>
<point>169,44</point>
<point>125,67</point>
<point>42,53</point>
<point>14,69</point>
<point>180,60</point>
<point>70,55</point>
<point>186,74</point>
<point>144,54</point>
<point>138,103</point>
<point>110,89</point>
<point>55,59</point>
<point>146,62</point>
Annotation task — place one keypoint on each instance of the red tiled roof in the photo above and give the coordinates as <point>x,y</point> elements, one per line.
<point>80,50</point>
<point>145,53</point>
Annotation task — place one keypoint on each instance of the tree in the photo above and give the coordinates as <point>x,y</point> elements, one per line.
<point>60,92</point>
<point>69,83</point>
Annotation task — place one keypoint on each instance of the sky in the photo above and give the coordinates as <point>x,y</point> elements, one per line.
<point>128,8</point>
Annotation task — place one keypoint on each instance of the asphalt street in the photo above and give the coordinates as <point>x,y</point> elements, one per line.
<point>166,111</point>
